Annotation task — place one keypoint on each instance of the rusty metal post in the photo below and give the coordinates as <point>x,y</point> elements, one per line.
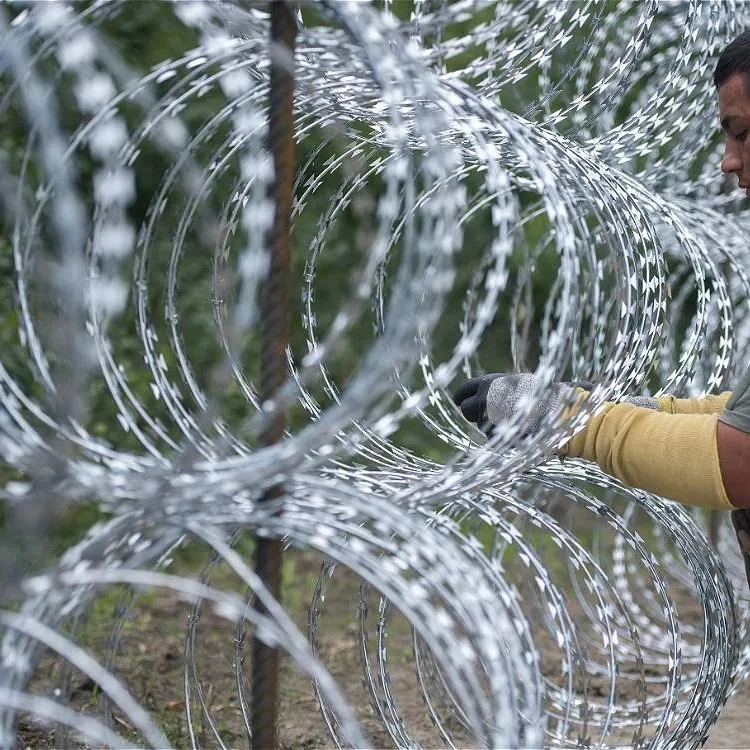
<point>275,304</point>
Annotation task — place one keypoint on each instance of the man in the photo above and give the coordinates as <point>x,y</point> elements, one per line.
<point>694,451</point>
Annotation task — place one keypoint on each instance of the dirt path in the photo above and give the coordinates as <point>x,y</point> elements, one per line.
<point>147,653</point>
<point>733,728</point>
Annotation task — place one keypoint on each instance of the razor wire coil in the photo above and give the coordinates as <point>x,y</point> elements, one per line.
<point>452,163</point>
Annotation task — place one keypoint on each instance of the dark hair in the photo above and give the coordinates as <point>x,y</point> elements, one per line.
<point>735,58</point>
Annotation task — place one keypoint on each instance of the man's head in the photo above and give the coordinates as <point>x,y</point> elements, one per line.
<point>732,79</point>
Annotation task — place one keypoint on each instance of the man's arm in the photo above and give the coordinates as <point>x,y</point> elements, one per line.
<point>675,456</point>
<point>711,404</point>
<point>734,459</point>
<point>688,452</point>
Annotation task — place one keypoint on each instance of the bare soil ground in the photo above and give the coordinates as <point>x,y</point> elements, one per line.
<point>149,659</point>
<point>146,649</point>
<point>733,728</point>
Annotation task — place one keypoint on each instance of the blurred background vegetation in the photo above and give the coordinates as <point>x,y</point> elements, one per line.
<point>145,34</point>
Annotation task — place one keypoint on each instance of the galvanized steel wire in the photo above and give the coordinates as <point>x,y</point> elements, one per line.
<point>573,136</point>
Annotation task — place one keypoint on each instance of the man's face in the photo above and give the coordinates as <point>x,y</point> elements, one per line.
<point>734,114</point>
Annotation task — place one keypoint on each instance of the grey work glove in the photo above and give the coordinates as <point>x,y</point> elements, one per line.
<point>645,402</point>
<point>489,399</point>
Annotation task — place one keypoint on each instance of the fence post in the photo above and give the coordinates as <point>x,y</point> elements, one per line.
<point>275,326</point>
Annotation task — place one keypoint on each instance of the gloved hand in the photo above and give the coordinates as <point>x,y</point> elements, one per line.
<point>490,399</point>
<point>668,448</point>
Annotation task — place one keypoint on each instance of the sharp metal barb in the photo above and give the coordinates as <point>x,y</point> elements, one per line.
<point>483,184</point>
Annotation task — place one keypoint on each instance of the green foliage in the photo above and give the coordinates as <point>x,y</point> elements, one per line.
<point>144,35</point>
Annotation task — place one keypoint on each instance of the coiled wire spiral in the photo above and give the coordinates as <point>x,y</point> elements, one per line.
<point>452,162</point>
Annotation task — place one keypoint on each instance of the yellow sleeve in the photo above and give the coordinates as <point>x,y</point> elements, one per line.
<point>672,455</point>
<point>713,404</point>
